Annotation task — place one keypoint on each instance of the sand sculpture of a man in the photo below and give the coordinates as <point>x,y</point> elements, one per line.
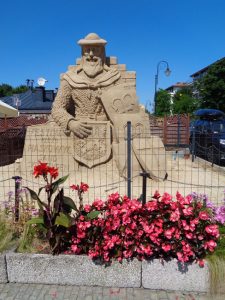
<point>95,100</point>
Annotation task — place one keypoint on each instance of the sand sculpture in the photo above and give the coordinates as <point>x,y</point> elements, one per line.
<point>95,100</point>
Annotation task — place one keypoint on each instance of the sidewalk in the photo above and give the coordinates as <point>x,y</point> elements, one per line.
<point>16,291</point>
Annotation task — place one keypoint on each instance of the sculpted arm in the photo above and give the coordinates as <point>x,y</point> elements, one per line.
<point>61,106</point>
<point>61,115</point>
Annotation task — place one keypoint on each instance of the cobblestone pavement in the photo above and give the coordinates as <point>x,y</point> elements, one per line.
<point>16,291</point>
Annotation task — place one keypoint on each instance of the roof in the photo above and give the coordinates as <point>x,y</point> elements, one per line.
<point>7,110</point>
<point>29,101</point>
<point>178,84</point>
<point>206,68</point>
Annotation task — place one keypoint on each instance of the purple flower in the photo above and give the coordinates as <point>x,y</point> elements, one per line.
<point>10,193</point>
<point>220,214</point>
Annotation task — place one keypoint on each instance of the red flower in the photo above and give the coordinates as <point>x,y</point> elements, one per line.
<point>84,187</point>
<point>53,172</point>
<point>41,169</point>
<point>201,263</point>
<point>74,187</point>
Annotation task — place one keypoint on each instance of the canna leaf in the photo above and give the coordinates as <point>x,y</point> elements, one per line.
<point>93,214</point>
<point>63,220</point>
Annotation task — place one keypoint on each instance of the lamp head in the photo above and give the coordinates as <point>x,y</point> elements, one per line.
<point>168,71</point>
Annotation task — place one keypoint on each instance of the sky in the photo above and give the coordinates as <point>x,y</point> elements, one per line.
<point>39,38</point>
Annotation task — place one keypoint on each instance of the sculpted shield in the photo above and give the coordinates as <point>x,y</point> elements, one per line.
<point>96,148</point>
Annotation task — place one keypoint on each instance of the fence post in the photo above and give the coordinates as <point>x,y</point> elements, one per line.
<point>165,130</point>
<point>178,130</point>
<point>129,159</point>
<point>144,186</point>
<point>193,147</point>
<point>17,199</point>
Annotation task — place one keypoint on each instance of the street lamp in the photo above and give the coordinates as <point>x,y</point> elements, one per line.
<point>167,73</point>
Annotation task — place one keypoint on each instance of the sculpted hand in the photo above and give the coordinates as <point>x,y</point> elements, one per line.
<point>80,129</point>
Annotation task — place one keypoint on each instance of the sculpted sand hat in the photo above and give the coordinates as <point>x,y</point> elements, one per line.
<point>92,39</point>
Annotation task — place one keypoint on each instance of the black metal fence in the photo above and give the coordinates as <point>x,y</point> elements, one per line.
<point>114,170</point>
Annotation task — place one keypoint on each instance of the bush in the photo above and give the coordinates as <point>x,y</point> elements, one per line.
<point>162,228</point>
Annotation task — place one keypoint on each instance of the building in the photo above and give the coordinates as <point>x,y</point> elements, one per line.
<point>34,107</point>
<point>176,87</point>
<point>37,101</point>
<point>199,74</point>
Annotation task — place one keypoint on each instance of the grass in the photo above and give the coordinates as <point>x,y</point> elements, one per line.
<point>8,239</point>
<point>216,262</point>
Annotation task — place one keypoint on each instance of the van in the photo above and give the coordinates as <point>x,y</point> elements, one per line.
<point>207,135</point>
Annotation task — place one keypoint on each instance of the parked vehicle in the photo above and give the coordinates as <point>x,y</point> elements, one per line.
<point>207,135</point>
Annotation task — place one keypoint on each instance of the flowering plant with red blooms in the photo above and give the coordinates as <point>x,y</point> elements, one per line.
<point>121,228</point>
<point>42,169</point>
<point>54,213</point>
<point>81,189</point>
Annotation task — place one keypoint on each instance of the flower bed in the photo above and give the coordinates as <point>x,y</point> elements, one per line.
<point>123,238</point>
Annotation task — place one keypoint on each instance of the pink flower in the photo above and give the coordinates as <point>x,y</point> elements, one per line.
<point>201,263</point>
<point>188,211</point>
<point>156,195</point>
<point>166,247</point>
<point>203,215</point>
<point>166,198</point>
<point>189,235</point>
<point>87,208</point>
<point>98,204</point>
<point>151,205</point>
<point>169,233</point>
<point>211,245</point>
<point>175,216</point>
<point>185,225</point>
<point>212,230</point>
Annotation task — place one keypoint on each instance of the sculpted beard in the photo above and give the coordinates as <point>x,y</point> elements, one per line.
<point>92,66</point>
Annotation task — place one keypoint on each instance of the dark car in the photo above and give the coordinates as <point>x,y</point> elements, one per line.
<point>207,135</point>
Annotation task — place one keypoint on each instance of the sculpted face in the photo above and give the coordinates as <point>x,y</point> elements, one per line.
<point>92,60</point>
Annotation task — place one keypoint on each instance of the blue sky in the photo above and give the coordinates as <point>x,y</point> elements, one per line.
<point>38,38</point>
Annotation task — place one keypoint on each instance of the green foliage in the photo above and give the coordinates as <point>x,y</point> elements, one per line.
<point>54,216</point>
<point>8,90</point>
<point>183,102</point>
<point>211,87</point>
<point>7,237</point>
<point>216,263</point>
<point>163,103</point>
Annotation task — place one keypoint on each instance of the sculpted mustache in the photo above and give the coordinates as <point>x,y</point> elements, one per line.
<point>92,59</point>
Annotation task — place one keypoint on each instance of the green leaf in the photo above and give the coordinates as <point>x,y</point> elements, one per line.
<point>63,220</point>
<point>93,214</point>
<point>69,202</point>
<point>40,190</point>
<point>58,182</point>
<point>36,221</point>
<point>34,196</point>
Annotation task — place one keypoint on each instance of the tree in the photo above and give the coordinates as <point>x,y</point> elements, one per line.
<point>5,90</point>
<point>211,87</point>
<point>183,102</point>
<point>8,90</point>
<point>163,103</point>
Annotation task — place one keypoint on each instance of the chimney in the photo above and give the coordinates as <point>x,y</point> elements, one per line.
<point>39,91</point>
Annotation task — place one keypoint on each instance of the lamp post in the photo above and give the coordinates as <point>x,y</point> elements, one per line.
<point>167,73</point>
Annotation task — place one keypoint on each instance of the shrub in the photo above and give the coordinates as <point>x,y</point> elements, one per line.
<point>162,228</point>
